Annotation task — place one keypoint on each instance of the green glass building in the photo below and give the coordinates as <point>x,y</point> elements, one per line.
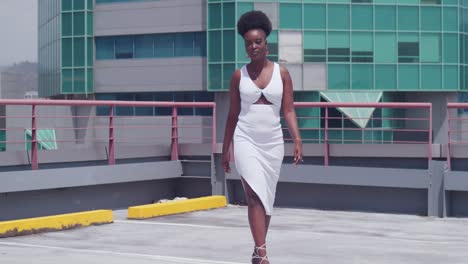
<point>380,45</point>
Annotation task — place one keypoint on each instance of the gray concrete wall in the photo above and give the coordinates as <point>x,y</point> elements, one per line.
<point>150,75</point>
<point>439,114</point>
<point>150,17</point>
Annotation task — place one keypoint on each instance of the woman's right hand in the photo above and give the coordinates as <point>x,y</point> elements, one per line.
<point>226,159</point>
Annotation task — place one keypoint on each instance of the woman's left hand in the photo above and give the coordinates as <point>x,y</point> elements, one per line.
<point>298,152</point>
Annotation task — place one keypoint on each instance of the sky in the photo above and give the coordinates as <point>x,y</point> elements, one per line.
<point>18,31</point>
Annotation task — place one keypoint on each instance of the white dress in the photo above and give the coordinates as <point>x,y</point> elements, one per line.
<point>258,137</point>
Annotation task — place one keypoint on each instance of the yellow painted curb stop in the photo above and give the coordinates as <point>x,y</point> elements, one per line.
<point>55,222</point>
<point>176,207</point>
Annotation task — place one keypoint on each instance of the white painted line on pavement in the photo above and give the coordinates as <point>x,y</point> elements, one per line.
<point>125,254</point>
<point>139,222</point>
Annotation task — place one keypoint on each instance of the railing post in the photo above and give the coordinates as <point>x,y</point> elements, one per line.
<point>175,136</point>
<point>214,136</point>
<point>326,148</point>
<point>34,162</point>
<point>429,158</point>
<point>111,137</point>
<point>449,160</point>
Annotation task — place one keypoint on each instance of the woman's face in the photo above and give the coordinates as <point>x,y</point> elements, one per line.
<point>255,44</point>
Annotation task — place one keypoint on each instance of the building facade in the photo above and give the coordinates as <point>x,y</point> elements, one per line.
<point>187,50</point>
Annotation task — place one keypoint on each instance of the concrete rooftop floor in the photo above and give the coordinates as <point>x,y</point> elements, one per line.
<point>222,236</point>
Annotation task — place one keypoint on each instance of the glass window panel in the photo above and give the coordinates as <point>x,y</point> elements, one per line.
<point>214,15</point>
<point>66,5</point>
<point>78,52</point>
<point>105,48</point>
<point>184,44</point>
<point>241,53</point>
<point>229,15</point>
<point>408,47</point>
<point>199,44</point>
<point>124,48</point>
<point>450,77</point>
<point>163,97</point>
<point>408,77</point>
<point>362,17</point>
<point>338,76</point>
<point>408,18</point>
<point>338,17</point>
<point>214,77</point>
<point>229,42</point>
<point>362,41</point>
<point>243,8</point>
<point>385,47</point>
<point>67,24</point>
<point>450,48</point>
<point>90,81</point>
<point>362,47</point>
<point>228,70</point>
<point>67,81</point>
<point>450,2</point>
<point>385,17</point>
<point>314,16</point>
<point>78,23</point>
<point>90,24</point>
<point>338,46</point>
<point>291,16</point>
<point>203,97</point>
<point>184,97</point>
<point>431,77</point>
<point>314,46</point>
<point>67,52</point>
<point>79,81</point>
<point>78,4</point>
<point>430,48</point>
<point>273,46</point>
<point>362,77</point>
<point>144,111</point>
<point>431,18</point>
<point>124,110</point>
<point>164,45</point>
<point>385,77</point>
<point>450,19</point>
<point>214,51</point>
<point>90,4</point>
<point>144,46</point>
<point>90,52</point>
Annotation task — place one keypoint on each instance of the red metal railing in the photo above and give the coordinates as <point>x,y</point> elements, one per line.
<point>460,132</point>
<point>111,138</point>
<point>328,123</point>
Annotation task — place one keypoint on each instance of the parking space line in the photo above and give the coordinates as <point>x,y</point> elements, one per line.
<point>125,254</point>
<point>138,222</point>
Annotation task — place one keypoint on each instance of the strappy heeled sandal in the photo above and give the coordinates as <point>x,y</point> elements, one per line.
<point>256,256</point>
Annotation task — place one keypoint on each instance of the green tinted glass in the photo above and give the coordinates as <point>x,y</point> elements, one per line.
<point>362,77</point>
<point>408,18</point>
<point>450,77</point>
<point>314,16</point>
<point>214,39</point>
<point>362,17</point>
<point>450,48</point>
<point>408,77</point>
<point>338,76</point>
<point>67,52</point>
<point>78,23</point>
<point>229,42</point>
<point>431,77</point>
<point>291,16</point>
<point>385,17</point>
<point>431,18</point>
<point>338,16</point>
<point>214,16</point>
<point>385,47</point>
<point>78,52</point>
<point>385,77</point>
<point>229,15</point>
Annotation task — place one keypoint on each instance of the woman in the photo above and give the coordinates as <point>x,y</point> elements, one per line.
<point>258,91</point>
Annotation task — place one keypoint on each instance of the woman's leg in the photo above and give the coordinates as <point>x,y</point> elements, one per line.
<point>258,219</point>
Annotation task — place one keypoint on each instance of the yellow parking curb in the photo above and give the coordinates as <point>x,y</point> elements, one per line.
<point>176,207</point>
<point>55,222</point>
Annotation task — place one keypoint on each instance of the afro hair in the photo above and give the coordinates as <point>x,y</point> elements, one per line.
<point>253,20</point>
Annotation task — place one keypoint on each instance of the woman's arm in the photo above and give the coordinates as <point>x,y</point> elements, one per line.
<point>233,115</point>
<point>289,114</point>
